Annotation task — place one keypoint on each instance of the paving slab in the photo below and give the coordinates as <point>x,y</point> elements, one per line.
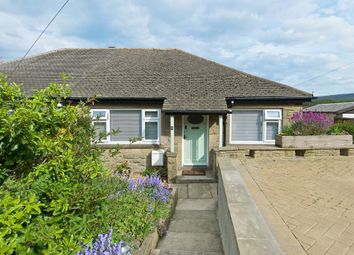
<point>175,241</point>
<point>313,197</point>
<point>194,225</point>
<point>188,214</point>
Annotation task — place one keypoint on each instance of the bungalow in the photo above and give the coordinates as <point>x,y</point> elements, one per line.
<point>177,102</point>
<point>339,112</point>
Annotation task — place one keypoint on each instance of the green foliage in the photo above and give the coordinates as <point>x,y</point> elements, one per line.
<point>157,170</point>
<point>123,168</point>
<point>345,128</point>
<point>61,195</point>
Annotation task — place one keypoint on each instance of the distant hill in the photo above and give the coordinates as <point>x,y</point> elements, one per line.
<point>340,97</point>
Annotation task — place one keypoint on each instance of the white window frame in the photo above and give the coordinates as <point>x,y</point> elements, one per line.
<point>265,122</point>
<point>144,119</point>
<point>272,118</point>
<point>265,119</point>
<point>104,119</point>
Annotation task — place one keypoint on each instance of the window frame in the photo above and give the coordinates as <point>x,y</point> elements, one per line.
<point>265,120</point>
<point>106,120</point>
<point>143,121</point>
<point>272,118</point>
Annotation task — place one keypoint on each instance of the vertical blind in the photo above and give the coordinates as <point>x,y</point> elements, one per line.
<point>128,122</point>
<point>247,125</point>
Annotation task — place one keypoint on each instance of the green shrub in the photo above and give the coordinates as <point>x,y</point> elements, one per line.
<point>155,170</point>
<point>345,128</point>
<point>57,180</point>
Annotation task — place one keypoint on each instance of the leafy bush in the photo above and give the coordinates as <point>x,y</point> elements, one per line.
<point>61,195</point>
<point>345,128</point>
<point>308,123</point>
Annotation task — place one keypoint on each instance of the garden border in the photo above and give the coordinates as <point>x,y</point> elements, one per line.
<point>152,239</point>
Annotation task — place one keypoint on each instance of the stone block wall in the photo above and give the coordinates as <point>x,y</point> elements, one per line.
<point>138,158</point>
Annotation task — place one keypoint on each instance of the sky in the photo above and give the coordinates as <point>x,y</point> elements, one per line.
<point>289,41</point>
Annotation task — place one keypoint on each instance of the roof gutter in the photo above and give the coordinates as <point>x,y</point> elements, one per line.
<point>105,99</point>
<point>196,111</point>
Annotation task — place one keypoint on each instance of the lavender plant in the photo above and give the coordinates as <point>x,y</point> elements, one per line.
<point>153,186</point>
<point>308,123</point>
<point>103,246</point>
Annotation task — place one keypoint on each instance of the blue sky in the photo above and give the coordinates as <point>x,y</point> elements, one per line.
<point>284,40</point>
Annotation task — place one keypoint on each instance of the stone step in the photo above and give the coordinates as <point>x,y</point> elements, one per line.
<point>195,179</point>
<point>163,252</point>
<point>197,190</point>
<point>190,242</point>
<point>201,204</point>
<point>194,226</point>
<point>194,171</point>
<point>194,215</point>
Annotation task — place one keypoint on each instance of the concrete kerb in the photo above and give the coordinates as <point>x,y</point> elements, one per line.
<point>242,226</point>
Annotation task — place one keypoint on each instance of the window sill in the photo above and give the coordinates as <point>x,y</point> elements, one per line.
<point>103,145</point>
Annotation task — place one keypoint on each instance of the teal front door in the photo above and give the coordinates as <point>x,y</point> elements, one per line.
<point>195,140</point>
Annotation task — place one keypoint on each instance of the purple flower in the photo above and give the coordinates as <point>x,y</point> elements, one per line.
<point>102,246</point>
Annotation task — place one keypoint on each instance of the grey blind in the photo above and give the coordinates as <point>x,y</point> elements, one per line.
<point>246,125</point>
<point>272,129</point>
<point>128,122</point>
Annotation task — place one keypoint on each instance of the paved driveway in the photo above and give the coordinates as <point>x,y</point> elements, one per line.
<point>314,197</point>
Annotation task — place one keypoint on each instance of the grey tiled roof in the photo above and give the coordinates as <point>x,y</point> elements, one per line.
<point>331,108</point>
<point>188,82</point>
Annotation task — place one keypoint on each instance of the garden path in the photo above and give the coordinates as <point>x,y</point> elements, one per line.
<point>194,228</point>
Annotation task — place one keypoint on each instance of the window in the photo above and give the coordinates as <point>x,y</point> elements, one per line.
<point>151,125</point>
<point>142,125</point>
<point>252,126</point>
<point>272,114</point>
<point>99,120</point>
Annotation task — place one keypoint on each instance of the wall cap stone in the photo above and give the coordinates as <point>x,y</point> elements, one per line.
<point>252,234</point>
<point>126,146</point>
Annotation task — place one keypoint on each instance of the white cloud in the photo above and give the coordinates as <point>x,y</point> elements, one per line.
<point>288,41</point>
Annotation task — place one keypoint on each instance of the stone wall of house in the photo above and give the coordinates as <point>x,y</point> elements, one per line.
<point>288,109</point>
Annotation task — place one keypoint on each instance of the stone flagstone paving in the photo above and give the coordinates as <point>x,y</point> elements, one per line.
<point>194,228</point>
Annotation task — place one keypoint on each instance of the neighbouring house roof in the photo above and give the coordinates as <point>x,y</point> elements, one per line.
<point>186,81</point>
<point>331,108</point>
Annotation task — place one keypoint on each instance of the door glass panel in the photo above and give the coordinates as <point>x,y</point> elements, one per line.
<point>272,129</point>
<point>195,119</point>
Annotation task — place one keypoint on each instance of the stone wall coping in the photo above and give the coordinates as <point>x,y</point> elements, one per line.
<point>252,234</point>
<point>275,148</point>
